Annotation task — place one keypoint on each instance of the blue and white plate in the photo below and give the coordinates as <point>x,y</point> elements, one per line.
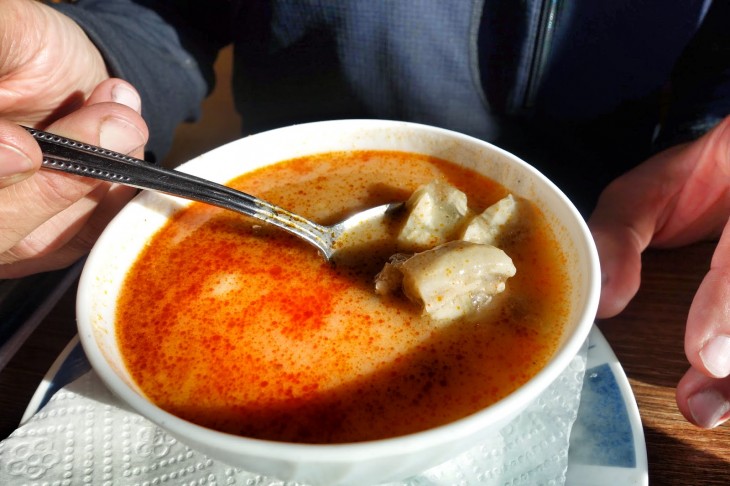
<point>607,444</point>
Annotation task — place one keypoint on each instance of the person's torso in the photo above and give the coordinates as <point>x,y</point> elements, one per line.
<point>538,74</point>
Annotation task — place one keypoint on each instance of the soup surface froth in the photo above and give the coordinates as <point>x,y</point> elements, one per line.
<point>241,327</point>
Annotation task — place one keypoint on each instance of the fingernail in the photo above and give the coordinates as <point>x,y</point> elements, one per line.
<point>119,135</point>
<point>715,355</point>
<point>13,161</point>
<point>708,407</point>
<point>124,95</point>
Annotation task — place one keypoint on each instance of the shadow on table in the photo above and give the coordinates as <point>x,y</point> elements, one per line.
<point>676,454</point>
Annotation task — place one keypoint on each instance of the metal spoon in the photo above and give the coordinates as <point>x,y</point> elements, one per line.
<point>74,157</point>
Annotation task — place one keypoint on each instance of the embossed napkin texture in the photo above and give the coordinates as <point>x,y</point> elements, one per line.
<point>86,436</point>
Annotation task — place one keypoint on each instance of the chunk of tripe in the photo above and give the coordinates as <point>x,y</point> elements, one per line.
<point>390,278</point>
<point>456,279</point>
<point>436,213</point>
<point>486,227</point>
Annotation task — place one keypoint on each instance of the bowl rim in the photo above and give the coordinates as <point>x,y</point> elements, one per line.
<point>345,452</point>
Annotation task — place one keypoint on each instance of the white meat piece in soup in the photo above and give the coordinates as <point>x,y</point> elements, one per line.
<point>457,269</point>
<point>436,213</point>
<point>456,279</point>
<point>390,278</point>
<point>487,227</point>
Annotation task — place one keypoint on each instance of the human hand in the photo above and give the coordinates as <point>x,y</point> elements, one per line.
<point>52,77</point>
<point>48,66</point>
<point>679,196</point>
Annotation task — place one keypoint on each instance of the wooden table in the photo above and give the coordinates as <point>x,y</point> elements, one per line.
<point>647,338</point>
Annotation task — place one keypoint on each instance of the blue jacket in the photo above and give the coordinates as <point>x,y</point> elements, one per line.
<point>583,90</point>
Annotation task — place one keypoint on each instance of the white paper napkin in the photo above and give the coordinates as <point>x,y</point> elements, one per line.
<point>86,436</point>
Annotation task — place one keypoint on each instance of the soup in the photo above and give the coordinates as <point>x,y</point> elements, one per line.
<point>241,327</point>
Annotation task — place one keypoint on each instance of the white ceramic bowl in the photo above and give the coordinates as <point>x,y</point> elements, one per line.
<point>351,464</point>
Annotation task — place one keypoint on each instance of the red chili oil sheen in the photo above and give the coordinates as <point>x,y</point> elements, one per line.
<point>242,328</point>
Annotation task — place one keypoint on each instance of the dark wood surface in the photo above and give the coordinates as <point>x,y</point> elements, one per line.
<point>647,338</point>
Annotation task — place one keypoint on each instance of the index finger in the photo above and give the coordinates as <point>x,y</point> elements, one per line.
<point>623,225</point>
<point>707,336</point>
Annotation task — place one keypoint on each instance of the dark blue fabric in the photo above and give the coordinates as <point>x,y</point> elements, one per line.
<point>413,60</point>
<point>140,45</point>
<point>578,89</point>
<point>601,98</point>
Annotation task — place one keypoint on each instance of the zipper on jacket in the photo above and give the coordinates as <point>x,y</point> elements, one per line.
<point>545,31</point>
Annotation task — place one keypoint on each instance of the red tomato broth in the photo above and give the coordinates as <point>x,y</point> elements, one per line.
<point>245,329</point>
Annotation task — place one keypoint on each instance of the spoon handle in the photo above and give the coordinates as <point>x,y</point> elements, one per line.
<point>74,157</point>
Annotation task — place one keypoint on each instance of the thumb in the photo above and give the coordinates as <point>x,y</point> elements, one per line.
<point>16,163</point>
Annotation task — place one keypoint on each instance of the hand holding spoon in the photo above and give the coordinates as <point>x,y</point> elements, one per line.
<point>74,157</point>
